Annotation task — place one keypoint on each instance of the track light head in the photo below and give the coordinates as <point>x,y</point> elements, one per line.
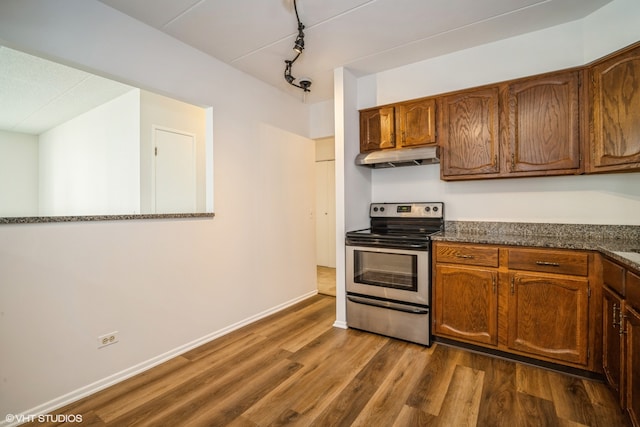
<point>298,47</point>
<point>299,44</point>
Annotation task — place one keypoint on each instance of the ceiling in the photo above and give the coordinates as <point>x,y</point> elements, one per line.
<point>37,94</point>
<point>256,36</point>
<point>365,36</point>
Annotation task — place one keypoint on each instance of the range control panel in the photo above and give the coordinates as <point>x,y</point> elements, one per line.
<point>407,210</point>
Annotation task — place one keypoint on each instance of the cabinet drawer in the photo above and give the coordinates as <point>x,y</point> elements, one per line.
<point>548,261</point>
<point>467,254</point>
<point>613,276</point>
<point>633,290</point>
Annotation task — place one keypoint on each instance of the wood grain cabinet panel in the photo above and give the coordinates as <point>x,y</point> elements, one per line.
<point>631,330</point>
<point>469,134</point>
<point>404,125</point>
<point>486,256</point>
<point>466,304</point>
<point>615,138</point>
<point>632,368</point>
<point>612,342</point>
<point>415,121</point>
<point>549,261</point>
<point>632,290</point>
<point>543,124</point>
<point>377,129</point>
<point>548,316</point>
<point>613,276</point>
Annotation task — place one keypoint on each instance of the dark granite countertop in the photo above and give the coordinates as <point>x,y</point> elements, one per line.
<point>616,242</point>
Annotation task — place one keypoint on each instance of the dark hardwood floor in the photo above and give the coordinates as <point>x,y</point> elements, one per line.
<point>295,368</point>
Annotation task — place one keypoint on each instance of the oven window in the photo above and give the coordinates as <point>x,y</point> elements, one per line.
<point>397,271</point>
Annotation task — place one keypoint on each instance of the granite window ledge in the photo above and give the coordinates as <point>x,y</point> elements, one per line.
<point>85,218</point>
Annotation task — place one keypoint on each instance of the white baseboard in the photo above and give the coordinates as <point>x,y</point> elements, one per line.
<point>340,324</point>
<point>95,387</point>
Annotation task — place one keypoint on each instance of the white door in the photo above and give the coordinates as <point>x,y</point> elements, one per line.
<point>175,171</point>
<point>326,213</point>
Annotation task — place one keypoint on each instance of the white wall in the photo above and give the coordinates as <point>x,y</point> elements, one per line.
<point>602,199</point>
<point>90,165</point>
<point>321,121</point>
<point>163,284</point>
<point>18,174</point>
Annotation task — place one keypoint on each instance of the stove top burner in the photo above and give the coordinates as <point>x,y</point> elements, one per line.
<point>400,225</point>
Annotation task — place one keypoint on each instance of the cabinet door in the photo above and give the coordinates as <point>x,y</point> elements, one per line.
<point>548,316</point>
<point>543,124</point>
<point>416,122</point>
<point>612,351</point>
<point>469,134</point>
<point>377,129</point>
<point>466,304</point>
<point>616,108</point>
<point>632,330</point>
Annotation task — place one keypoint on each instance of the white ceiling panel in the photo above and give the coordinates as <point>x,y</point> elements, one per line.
<point>155,13</point>
<point>256,36</point>
<point>36,94</point>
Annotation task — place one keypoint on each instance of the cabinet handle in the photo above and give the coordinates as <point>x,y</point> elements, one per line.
<point>464,256</point>
<point>513,162</point>
<point>620,324</point>
<point>495,287</point>
<point>513,285</point>
<point>404,137</point>
<point>614,321</point>
<point>548,264</point>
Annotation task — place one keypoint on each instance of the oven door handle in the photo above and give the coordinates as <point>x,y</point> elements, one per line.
<point>387,304</point>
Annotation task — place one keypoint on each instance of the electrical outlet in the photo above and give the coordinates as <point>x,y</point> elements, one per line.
<point>107,339</point>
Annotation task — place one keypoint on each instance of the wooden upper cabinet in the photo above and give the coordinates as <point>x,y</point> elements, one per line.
<point>415,121</point>
<point>543,124</point>
<point>469,134</point>
<point>407,124</point>
<point>377,129</point>
<point>615,109</point>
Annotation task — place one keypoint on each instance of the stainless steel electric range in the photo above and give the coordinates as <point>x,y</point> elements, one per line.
<point>388,269</point>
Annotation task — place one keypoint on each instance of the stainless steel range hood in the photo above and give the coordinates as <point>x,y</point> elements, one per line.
<point>397,158</point>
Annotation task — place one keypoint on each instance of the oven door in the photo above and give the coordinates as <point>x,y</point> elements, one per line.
<point>395,274</point>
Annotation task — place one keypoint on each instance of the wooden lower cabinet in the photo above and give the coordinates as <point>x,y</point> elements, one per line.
<point>632,368</point>
<point>612,342</point>
<point>621,335</point>
<point>467,304</point>
<point>548,316</point>
<point>526,311</point>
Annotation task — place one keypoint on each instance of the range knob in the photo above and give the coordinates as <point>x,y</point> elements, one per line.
<point>375,209</point>
<point>435,209</point>
<point>427,209</point>
<point>381,208</point>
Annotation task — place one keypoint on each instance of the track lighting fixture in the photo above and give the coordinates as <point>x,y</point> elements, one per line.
<point>298,47</point>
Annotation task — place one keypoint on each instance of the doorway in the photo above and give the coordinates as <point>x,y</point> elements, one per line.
<point>326,216</point>
<point>174,171</point>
